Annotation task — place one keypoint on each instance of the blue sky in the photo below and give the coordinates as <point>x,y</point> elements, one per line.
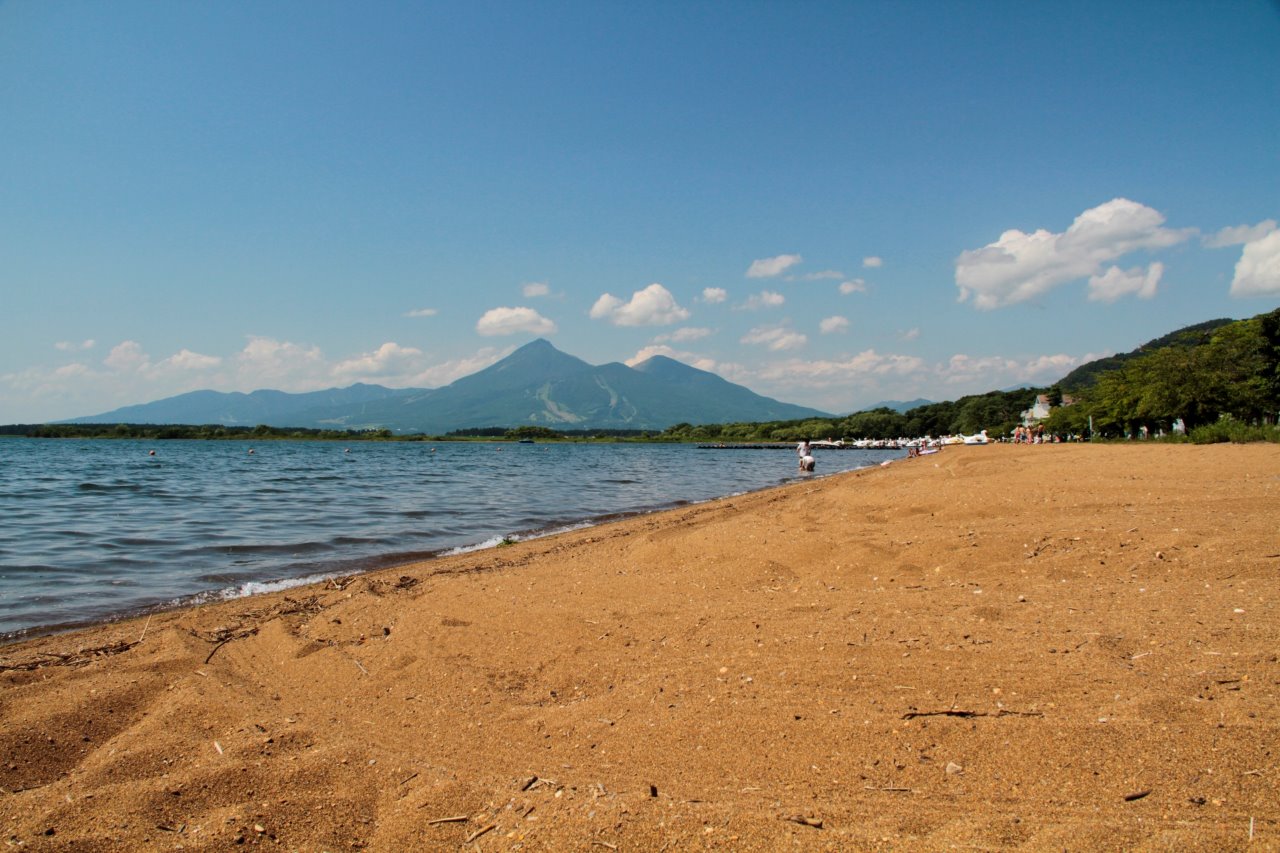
<point>833,204</point>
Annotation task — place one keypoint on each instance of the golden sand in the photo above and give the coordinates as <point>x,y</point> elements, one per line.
<point>1057,647</point>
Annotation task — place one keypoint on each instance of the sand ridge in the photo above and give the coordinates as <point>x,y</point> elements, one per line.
<point>1066,647</point>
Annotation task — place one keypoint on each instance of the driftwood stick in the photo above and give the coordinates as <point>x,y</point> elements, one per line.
<point>215,648</point>
<point>479,832</point>
<point>455,819</point>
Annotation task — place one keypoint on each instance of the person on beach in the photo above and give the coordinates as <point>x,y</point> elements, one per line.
<point>806,455</point>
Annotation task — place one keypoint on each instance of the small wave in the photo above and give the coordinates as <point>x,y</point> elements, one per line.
<point>249,588</point>
<point>511,538</point>
<point>491,542</point>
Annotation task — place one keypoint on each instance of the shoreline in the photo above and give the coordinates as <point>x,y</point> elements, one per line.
<point>351,568</point>
<point>75,561</point>
<point>1011,646</point>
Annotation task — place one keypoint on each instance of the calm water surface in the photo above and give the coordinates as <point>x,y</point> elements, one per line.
<point>91,530</point>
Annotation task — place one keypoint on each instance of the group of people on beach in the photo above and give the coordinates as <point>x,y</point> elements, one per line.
<point>1028,434</point>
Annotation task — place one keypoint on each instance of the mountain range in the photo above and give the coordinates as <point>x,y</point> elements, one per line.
<point>537,385</point>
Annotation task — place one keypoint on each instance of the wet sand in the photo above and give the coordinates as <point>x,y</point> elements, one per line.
<point>1060,647</point>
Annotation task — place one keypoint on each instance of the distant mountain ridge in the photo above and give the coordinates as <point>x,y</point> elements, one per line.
<point>899,406</point>
<point>537,385</point>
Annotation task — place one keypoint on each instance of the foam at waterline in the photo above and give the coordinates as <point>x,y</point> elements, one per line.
<point>249,588</point>
<point>495,541</point>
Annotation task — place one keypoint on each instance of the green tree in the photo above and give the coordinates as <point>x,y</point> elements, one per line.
<point>520,432</point>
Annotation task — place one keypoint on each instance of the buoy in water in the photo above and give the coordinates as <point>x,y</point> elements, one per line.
<point>152,453</point>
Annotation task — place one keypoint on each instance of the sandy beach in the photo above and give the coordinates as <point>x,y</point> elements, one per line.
<point>1057,647</point>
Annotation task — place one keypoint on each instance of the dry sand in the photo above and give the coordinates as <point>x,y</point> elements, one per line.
<point>1066,647</point>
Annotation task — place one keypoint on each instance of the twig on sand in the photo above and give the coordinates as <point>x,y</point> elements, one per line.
<point>144,630</point>
<point>79,657</point>
<point>479,832</point>
<point>455,819</point>
<point>215,648</point>
<point>890,788</point>
<point>1002,712</point>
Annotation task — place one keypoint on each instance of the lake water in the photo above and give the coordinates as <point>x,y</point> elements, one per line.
<point>92,530</point>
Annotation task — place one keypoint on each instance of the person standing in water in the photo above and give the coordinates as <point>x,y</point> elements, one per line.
<point>806,455</point>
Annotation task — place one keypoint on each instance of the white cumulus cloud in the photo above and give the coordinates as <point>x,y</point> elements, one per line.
<point>1021,266</point>
<point>1115,283</point>
<point>988,371</point>
<point>126,356</point>
<point>763,299</point>
<point>186,360</point>
<point>714,295</point>
<point>445,372</point>
<point>769,267</point>
<point>833,325</point>
<point>1258,270</point>
<point>653,306</point>
<point>825,373</point>
<point>514,321</point>
<point>387,362</point>
<point>872,262</point>
<point>269,363</point>
<point>776,338</point>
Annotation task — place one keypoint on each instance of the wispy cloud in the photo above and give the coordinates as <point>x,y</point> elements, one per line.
<point>714,295</point>
<point>833,325</point>
<point>770,267</point>
<point>855,285</point>
<point>72,346</point>
<point>534,289</point>
<point>1240,234</point>
<point>763,299</point>
<point>422,312</point>
<point>688,333</point>
<point>775,338</point>
<point>872,262</point>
